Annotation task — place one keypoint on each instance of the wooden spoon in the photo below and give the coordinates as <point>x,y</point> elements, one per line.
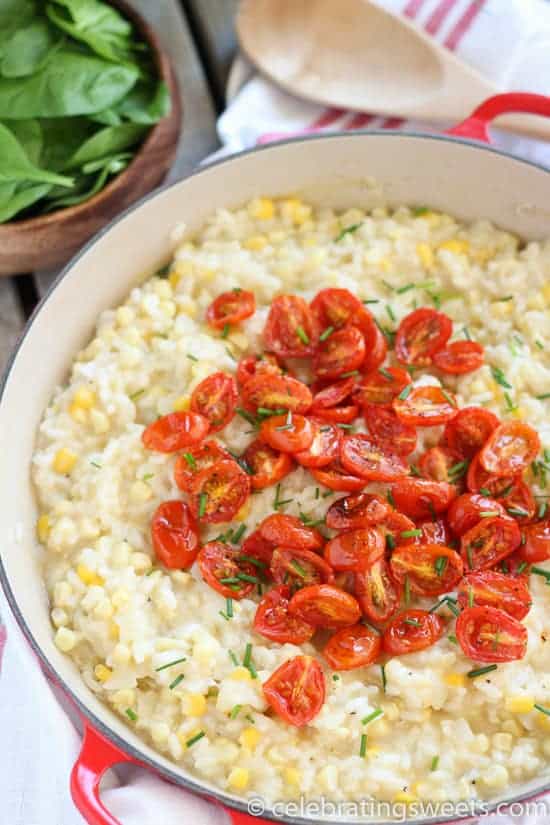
<point>354,55</point>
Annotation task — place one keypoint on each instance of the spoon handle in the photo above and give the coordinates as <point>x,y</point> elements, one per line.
<point>476,126</point>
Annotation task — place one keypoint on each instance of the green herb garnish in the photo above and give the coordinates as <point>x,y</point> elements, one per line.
<point>363,745</point>
<point>235,711</point>
<point>372,716</point>
<point>347,231</point>
<point>302,335</point>
<point>203,500</point>
<point>405,392</point>
<point>173,685</point>
<point>435,763</point>
<point>480,671</point>
<point>500,378</point>
<point>384,679</point>
<point>195,738</point>
<point>131,714</point>
<point>325,334</point>
<point>191,357</point>
<point>411,534</point>
<point>171,664</point>
<point>440,565</point>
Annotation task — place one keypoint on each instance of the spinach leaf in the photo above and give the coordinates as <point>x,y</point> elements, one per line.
<point>114,166</point>
<point>97,24</point>
<point>62,137</point>
<point>29,135</point>
<point>72,84</point>
<point>21,197</point>
<point>28,49</point>
<point>13,15</point>
<point>16,166</point>
<point>146,103</point>
<point>105,142</point>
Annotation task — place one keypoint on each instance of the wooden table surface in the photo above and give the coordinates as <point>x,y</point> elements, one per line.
<point>199,35</point>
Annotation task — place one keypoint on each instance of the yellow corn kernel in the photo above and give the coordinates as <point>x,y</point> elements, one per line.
<point>544,721</point>
<point>310,240</point>
<point>249,738</point>
<point>384,264</point>
<point>536,301</point>
<point>481,256</point>
<point>238,779</point>
<point>43,527</point>
<point>263,209</point>
<point>77,413</point>
<point>241,674</point>
<point>207,275</point>
<point>188,306</point>
<point>194,704</point>
<point>406,797</point>
<point>243,512</point>
<point>426,255</point>
<point>85,398</point>
<point>183,268</point>
<point>239,339</point>
<point>64,461</point>
<point>124,316</point>
<point>520,413</point>
<point>520,704</point>
<point>459,247</point>
<point>296,211</point>
<point>292,776</point>
<point>255,243</point>
<point>372,752</point>
<point>454,679</point>
<point>114,632</point>
<point>182,403</point>
<point>433,218</point>
<point>65,639</point>
<point>88,576</point>
<point>501,309</point>
<point>102,673</point>
<point>174,278</point>
<point>546,292</point>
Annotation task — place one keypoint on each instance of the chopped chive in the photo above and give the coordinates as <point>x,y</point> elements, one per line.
<point>402,289</point>
<point>203,499</point>
<point>228,351</point>
<point>458,470</point>
<point>543,506</point>
<point>173,685</point>
<point>363,745</point>
<point>420,210</point>
<point>386,373</point>
<point>440,565</point>
<point>488,513</point>
<point>449,602</point>
<point>391,313</point>
<point>452,638</point>
<point>471,597</point>
<point>345,426</point>
<point>195,738</point>
<point>410,534</point>
<point>480,671</point>
<point>171,664</point>
<point>245,577</point>
<point>233,658</point>
<point>431,508</point>
<point>302,335</point>
<point>407,590</point>
<point>415,471</point>
<point>148,476</point>
<point>328,493</point>
<point>247,661</point>
<point>485,491</point>
<point>390,498</point>
<point>371,626</point>
<point>510,406</point>
<point>539,344</point>
<point>229,607</point>
<point>521,568</point>
<point>505,298</point>
<point>251,560</point>
<point>299,569</point>
<point>230,580</point>
<point>371,301</point>
<point>267,411</point>
<point>404,394</point>
<point>225,330</point>
<point>541,709</point>
<point>235,711</point>
<point>384,679</point>
<point>246,415</point>
<point>335,677</point>
<point>347,230</point>
<point>435,763</point>
<point>390,541</point>
<point>448,397</point>
<point>288,424</point>
<point>466,333</point>
<point>543,397</point>
<point>95,464</point>
<point>238,534</point>
<point>470,556</point>
<point>517,511</point>
<point>413,622</point>
<point>190,458</point>
<point>538,571</point>
<point>317,491</point>
<point>136,395</point>
<point>191,357</point>
<point>372,716</point>
<point>349,374</point>
<point>131,714</point>
<point>223,615</point>
<point>325,333</point>
<point>500,378</point>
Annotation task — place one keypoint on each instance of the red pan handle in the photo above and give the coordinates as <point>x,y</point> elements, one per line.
<point>476,126</point>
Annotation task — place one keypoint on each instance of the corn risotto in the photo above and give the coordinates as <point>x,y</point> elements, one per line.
<point>155,644</point>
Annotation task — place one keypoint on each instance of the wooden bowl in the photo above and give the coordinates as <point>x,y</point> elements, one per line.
<point>50,240</point>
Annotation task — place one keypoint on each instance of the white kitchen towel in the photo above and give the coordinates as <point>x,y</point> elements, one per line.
<point>508,41</point>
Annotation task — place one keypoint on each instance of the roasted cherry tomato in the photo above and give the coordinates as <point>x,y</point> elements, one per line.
<point>335,308</point>
<point>277,393</point>
<point>399,529</point>
<point>352,647</point>
<point>420,499</point>
<point>252,365</point>
<point>468,510</point>
<point>430,569</point>
<point>352,512</point>
<point>335,477</point>
<point>267,466</point>
<point>361,456</point>
<point>338,415</point>
<point>334,394</point>
<point>490,541</point>
<point>376,345</point>
<point>218,492</point>
<point>536,546</point>
<point>488,634</point>
<point>174,432</point>
<point>434,532</point>
<point>479,480</point>
<point>324,448</point>
<point>174,534</point>
<point>438,463</point>
<point>221,570</point>
<point>377,592</point>
<point>288,433</point>
<point>387,429</point>
<point>289,531</point>
<point>230,308</point>
<point>190,463</point>
<point>486,588</point>
<point>468,431</point>
<point>258,548</point>
<point>459,357</point>
<point>216,398</point>
<point>420,335</point>
<point>381,386</point>
<point>426,406</point>
<point>412,630</point>
<point>324,605</point>
<point>515,566</point>
<point>340,353</point>
<point>299,568</point>
<point>273,620</point>
<point>355,550</point>
<point>290,330</point>
<point>296,690</point>
<point>520,502</point>
<point>510,449</point>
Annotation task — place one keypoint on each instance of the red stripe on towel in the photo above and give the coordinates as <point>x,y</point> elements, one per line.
<point>3,637</point>
<point>358,121</point>
<point>438,16</point>
<point>393,123</point>
<point>326,118</point>
<point>413,7</point>
<point>457,33</point>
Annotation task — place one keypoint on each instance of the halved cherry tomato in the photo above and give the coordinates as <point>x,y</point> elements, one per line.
<point>491,540</point>
<point>377,592</point>
<point>324,605</point>
<point>273,620</point>
<point>479,480</point>
<point>335,308</point>
<point>324,448</point>
<point>275,392</point>
<point>381,386</point>
<point>230,308</point>
<point>420,499</point>
<point>434,532</point>
<point>258,548</point>
<point>536,546</point>
<point>340,353</point>
<point>220,569</point>
<point>268,466</point>
<point>459,357</point>
<point>296,690</point>
<point>289,433</point>
<point>218,492</point>
<point>376,345</point>
<point>174,432</point>
<point>335,477</point>
<point>520,502</point>
<point>355,550</point>
<point>333,395</point>
<point>488,588</point>
<point>466,511</point>
<point>352,647</point>
<point>216,398</point>
<point>426,406</point>
<point>401,529</point>
<point>412,630</point>
<point>515,566</point>
<point>194,460</point>
<point>510,449</point>
<point>430,569</point>
<point>338,415</point>
<point>388,430</point>
<point>299,568</point>
<point>290,330</point>
<point>488,634</point>
<point>252,365</point>
<point>420,335</point>
<point>288,531</point>
<point>435,464</point>
<point>468,431</point>
<point>175,535</point>
<point>352,512</point>
<point>361,456</point>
